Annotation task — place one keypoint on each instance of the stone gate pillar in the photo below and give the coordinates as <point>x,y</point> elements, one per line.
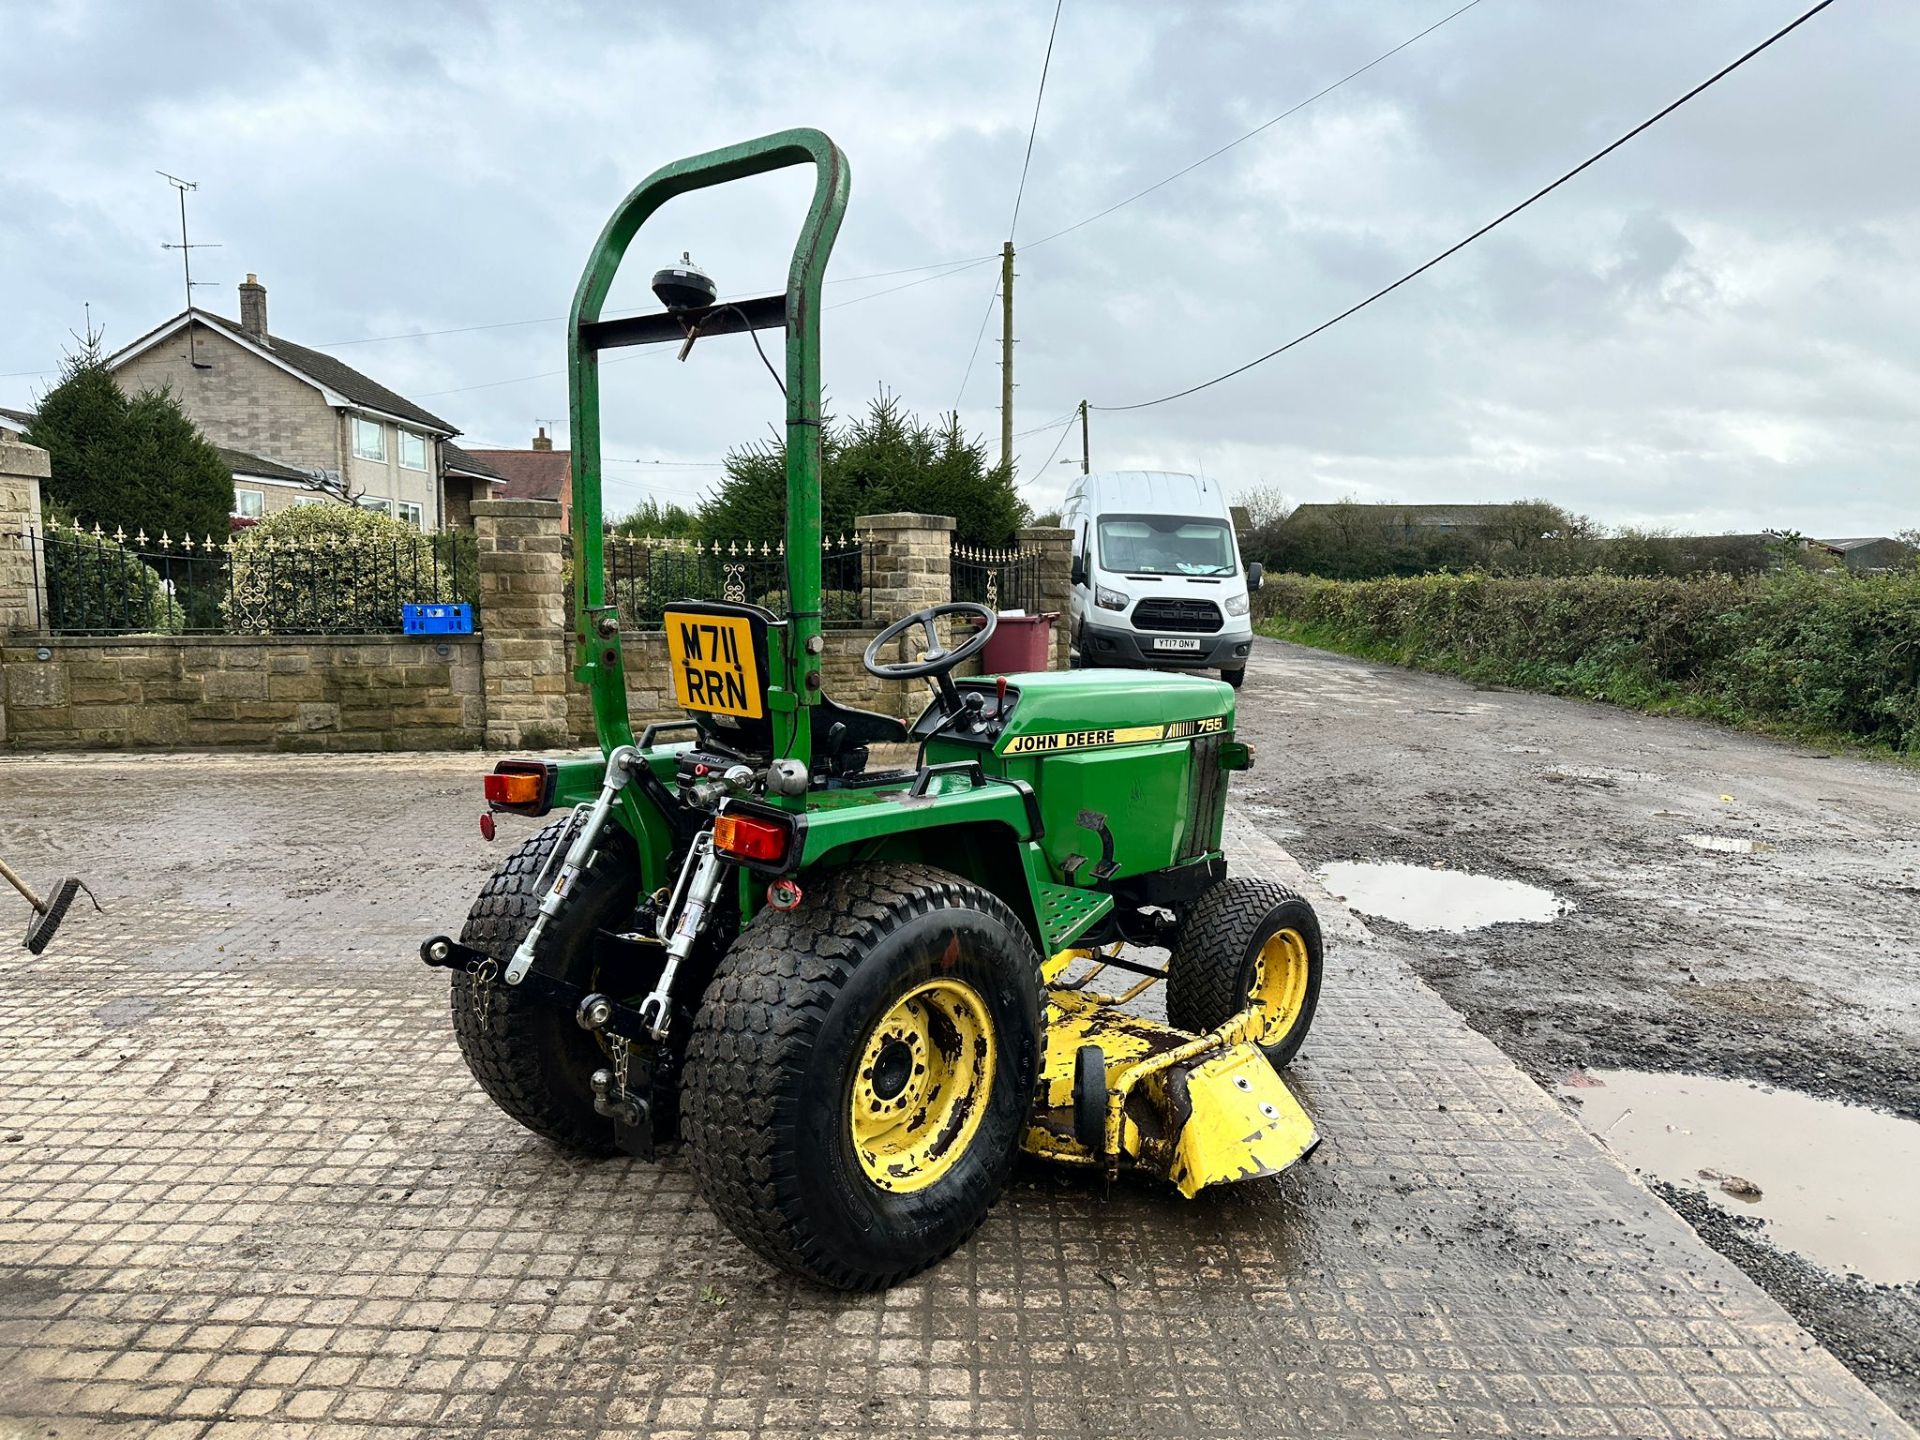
<point>23,469</point>
<point>523,615</point>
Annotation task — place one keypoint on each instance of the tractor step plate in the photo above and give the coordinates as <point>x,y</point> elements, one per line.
<point>1067,911</point>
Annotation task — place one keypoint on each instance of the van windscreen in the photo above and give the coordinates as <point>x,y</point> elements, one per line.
<point>1166,545</point>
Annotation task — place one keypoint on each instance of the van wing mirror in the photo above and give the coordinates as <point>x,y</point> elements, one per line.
<point>1256,573</point>
<point>1077,570</point>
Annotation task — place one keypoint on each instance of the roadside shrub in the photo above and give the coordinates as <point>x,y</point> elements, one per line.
<point>96,584</point>
<point>338,569</point>
<point>1829,653</point>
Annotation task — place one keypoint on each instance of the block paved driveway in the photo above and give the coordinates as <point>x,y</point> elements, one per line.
<point>247,1188</point>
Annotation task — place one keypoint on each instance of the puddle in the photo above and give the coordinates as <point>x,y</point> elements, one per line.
<point>1453,901</point>
<point>1836,1182</point>
<point>1728,844</point>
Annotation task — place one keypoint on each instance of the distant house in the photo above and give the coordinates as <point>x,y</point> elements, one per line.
<point>300,425</point>
<point>14,423</point>
<point>538,473</point>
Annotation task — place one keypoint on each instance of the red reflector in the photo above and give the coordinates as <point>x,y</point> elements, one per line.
<point>514,789</point>
<point>750,838</point>
<point>487,827</point>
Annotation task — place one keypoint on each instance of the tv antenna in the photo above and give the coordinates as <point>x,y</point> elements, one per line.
<point>186,250</point>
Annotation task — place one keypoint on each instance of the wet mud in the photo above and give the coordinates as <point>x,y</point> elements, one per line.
<point>1741,907</point>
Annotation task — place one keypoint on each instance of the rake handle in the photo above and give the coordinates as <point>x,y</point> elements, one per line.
<point>6,872</point>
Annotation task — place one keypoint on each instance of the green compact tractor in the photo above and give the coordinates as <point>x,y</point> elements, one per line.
<point>854,993</point>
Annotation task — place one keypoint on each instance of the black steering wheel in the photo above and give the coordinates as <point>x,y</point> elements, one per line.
<point>936,662</point>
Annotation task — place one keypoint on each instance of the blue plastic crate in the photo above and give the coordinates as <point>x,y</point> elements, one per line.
<point>436,619</point>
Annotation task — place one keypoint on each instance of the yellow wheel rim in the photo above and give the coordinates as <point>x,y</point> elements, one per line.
<point>1279,985</point>
<point>922,1085</point>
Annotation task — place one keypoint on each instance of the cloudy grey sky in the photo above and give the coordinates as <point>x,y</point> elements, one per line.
<point>1714,329</point>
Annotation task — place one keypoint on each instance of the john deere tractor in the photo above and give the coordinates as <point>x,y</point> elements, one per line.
<point>855,993</point>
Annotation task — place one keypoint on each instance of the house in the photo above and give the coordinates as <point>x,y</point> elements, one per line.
<point>301,425</point>
<point>14,423</point>
<point>538,473</point>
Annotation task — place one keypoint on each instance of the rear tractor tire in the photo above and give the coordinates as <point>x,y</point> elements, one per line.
<point>530,1057</point>
<point>1248,941</point>
<point>861,1071</point>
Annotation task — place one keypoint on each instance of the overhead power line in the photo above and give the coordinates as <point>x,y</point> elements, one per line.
<point>1034,128</point>
<point>1258,129</point>
<point>1492,224</point>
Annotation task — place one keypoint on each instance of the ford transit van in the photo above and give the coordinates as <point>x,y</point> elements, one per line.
<point>1157,578</point>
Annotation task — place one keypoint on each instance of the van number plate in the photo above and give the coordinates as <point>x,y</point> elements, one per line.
<point>1165,644</point>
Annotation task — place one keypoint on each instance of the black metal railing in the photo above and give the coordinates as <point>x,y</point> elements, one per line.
<point>646,576</point>
<point>1000,579</point>
<point>90,583</point>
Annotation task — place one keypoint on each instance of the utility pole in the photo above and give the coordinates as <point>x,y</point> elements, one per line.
<point>1084,451</point>
<point>186,259</point>
<point>1006,356</point>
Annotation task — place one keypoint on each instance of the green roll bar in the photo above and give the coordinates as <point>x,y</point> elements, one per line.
<point>793,650</point>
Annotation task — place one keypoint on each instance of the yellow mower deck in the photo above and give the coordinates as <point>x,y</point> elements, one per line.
<point>1193,1109</point>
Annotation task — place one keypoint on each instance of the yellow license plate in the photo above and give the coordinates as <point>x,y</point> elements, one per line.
<point>713,666</point>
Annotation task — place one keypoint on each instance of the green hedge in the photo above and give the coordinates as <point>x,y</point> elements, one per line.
<point>1822,653</point>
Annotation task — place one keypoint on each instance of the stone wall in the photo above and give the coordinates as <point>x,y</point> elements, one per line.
<point>360,692</point>
<point>510,687</point>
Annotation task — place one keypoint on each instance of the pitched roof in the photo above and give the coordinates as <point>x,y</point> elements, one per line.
<point>16,419</point>
<point>341,378</point>
<point>241,463</point>
<point>1858,541</point>
<point>322,370</point>
<point>530,474</point>
<point>465,462</point>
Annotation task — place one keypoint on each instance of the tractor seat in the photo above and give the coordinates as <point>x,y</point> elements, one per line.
<point>717,655</point>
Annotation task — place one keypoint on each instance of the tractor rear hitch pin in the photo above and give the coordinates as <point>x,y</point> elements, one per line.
<point>686,917</point>
<point>579,855</point>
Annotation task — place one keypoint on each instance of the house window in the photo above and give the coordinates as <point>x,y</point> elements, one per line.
<point>249,504</point>
<point>311,500</point>
<point>369,439</point>
<point>374,502</point>
<point>413,451</point>
<point>408,511</point>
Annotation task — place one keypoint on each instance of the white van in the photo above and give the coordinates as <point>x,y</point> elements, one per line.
<point>1157,579</point>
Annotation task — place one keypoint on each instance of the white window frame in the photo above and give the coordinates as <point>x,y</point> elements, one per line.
<point>311,500</point>
<point>361,426</point>
<point>378,503</point>
<point>410,513</point>
<point>425,448</point>
<point>260,502</point>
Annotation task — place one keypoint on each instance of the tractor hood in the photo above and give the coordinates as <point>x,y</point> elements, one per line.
<point>1080,705</point>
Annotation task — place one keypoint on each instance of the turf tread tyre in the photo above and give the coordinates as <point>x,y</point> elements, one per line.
<point>1207,969</point>
<point>753,1043</point>
<point>527,1056</point>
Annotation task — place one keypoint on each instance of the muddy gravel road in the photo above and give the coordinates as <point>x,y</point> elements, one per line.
<point>1728,905</point>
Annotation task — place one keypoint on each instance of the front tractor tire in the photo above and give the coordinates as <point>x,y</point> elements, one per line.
<point>861,1071</point>
<point>1248,942</point>
<point>530,1057</point>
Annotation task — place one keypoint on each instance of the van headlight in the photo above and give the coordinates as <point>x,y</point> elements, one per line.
<point>1236,604</point>
<point>1109,599</point>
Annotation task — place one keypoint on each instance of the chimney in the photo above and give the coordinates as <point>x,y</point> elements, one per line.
<point>253,308</point>
<point>541,441</point>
